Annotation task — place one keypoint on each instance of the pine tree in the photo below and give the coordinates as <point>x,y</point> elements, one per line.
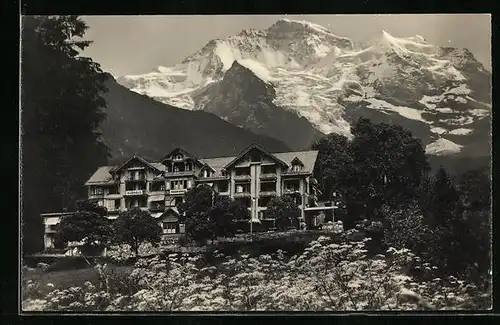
<point>443,201</point>
<point>61,110</point>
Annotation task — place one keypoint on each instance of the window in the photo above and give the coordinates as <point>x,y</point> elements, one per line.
<point>242,171</point>
<point>96,190</point>
<point>169,228</point>
<point>296,168</point>
<point>205,173</point>
<point>223,186</point>
<point>178,185</point>
<point>292,185</point>
<point>267,186</point>
<point>158,186</point>
<point>268,170</point>
<point>264,201</point>
<point>178,157</point>
<point>117,204</point>
<point>178,200</point>
<point>242,188</point>
<point>157,205</point>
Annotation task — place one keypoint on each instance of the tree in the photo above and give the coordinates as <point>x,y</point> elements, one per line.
<point>197,200</point>
<point>208,215</point>
<point>382,165</point>
<point>332,162</point>
<point>388,164</point>
<point>87,225</point>
<point>61,112</point>
<point>474,187</point>
<point>134,227</point>
<point>200,227</point>
<point>443,201</point>
<point>285,212</point>
<point>224,214</point>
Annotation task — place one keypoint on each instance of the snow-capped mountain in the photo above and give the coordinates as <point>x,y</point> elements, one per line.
<point>441,94</point>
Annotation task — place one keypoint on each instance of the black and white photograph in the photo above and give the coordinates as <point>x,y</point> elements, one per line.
<point>255,163</point>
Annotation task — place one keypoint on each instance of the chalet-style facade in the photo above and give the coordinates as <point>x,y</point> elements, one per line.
<point>253,178</point>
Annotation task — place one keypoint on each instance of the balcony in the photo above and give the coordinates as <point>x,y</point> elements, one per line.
<point>135,192</point>
<point>244,177</point>
<point>177,191</point>
<point>135,179</point>
<point>291,191</point>
<point>157,208</point>
<point>268,176</point>
<point>142,208</point>
<point>242,194</point>
<point>180,173</point>
<point>268,193</point>
<point>113,210</point>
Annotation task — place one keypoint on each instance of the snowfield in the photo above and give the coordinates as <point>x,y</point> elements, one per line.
<point>312,70</point>
<point>442,147</point>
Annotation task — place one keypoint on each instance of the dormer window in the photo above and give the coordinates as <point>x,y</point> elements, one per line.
<point>207,172</point>
<point>296,165</point>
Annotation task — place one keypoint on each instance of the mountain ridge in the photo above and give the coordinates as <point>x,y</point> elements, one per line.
<point>137,124</point>
<point>441,94</point>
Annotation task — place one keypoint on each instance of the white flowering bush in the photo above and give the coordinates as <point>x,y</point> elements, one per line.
<point>327,276</point>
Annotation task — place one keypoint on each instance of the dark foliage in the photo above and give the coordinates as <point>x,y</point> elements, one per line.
<point>382,165</point>
<point>88,227</point>
<point>61,111</point>
<point>134,227</point>
<point>451,226</point>
<point>285,211</point>
<point>208,215</point>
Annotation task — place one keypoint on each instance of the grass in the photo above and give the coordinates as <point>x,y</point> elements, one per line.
<point>68,278</point>
<point>68,273</point>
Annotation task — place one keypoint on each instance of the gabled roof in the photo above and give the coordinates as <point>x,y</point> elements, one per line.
<point>179,150</point>
<point>207,166</point>
<point>217,164</point>
<point>101,176</point>
<point>308,159</point>
<point>144,161</point>
<point>252,147</point>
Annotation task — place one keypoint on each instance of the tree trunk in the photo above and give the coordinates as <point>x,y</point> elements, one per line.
<point>136,248</point>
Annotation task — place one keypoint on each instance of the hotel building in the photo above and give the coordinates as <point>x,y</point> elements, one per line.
<point>253,178</point>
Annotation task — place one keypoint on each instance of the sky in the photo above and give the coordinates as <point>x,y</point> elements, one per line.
<point>138,44</point>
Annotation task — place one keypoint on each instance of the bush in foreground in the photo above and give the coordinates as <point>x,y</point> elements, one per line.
<point>327,276</point>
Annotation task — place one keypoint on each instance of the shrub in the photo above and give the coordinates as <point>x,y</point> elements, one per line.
<point>327,276</point>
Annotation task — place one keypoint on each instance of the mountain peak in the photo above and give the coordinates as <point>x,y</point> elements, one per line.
<point>285,25</point>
